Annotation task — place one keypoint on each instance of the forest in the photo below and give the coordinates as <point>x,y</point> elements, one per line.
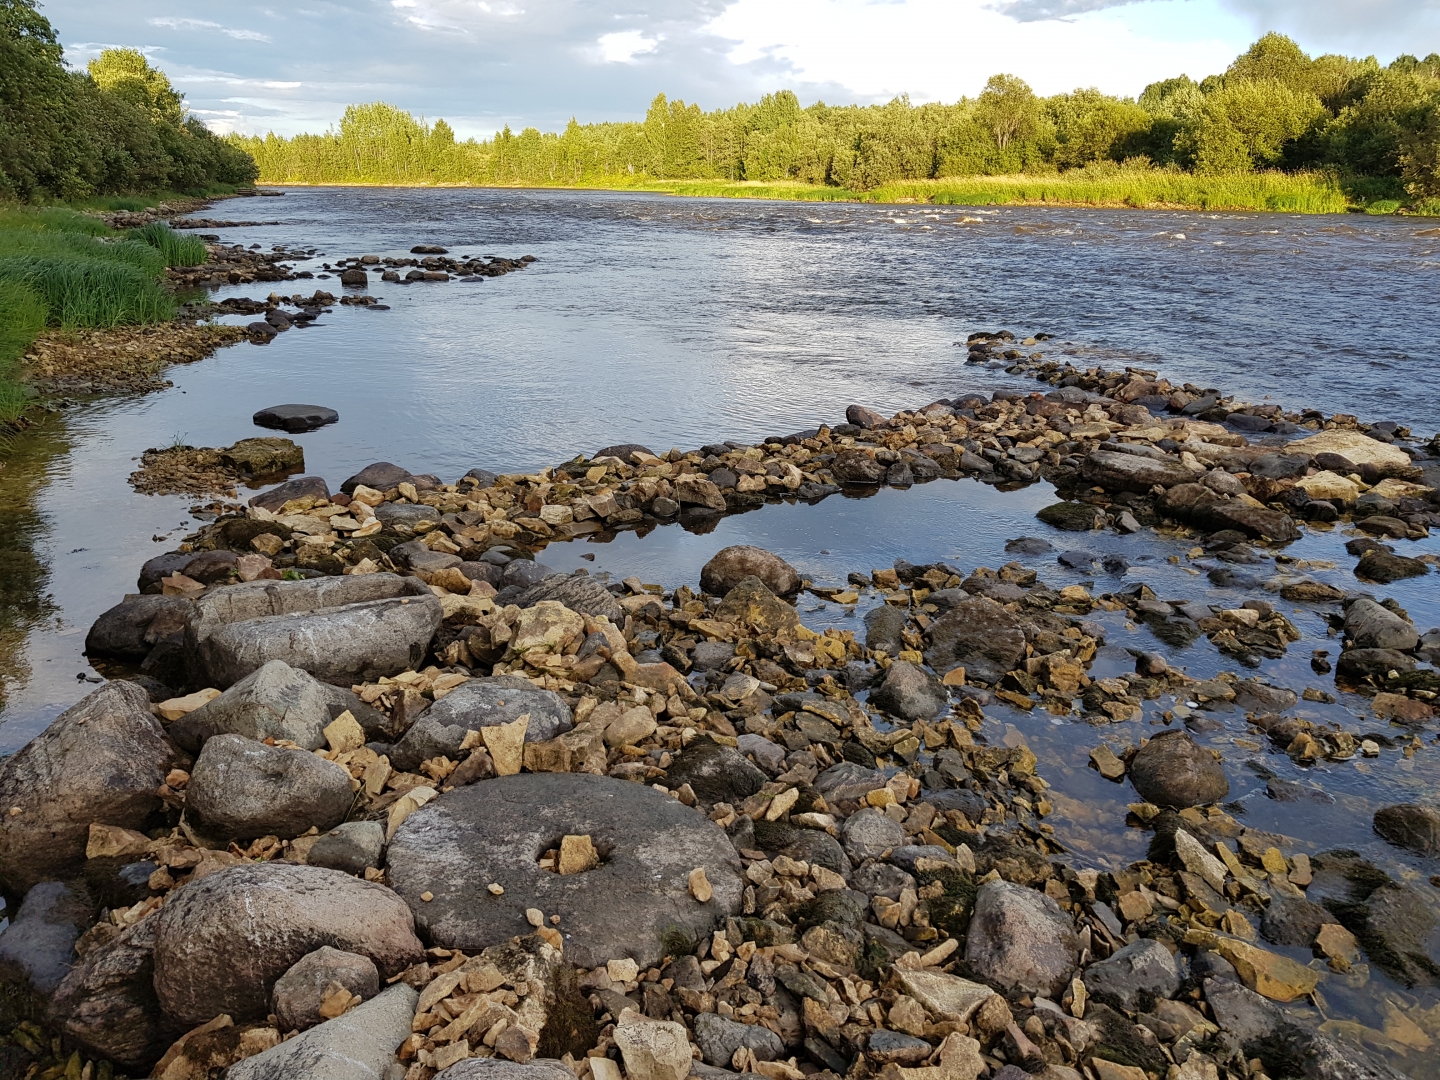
<point>1373,130</point>
<point>116,128</point>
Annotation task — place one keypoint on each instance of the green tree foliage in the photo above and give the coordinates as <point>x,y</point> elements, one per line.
<point>1274,108</point>
<point>118,128</point>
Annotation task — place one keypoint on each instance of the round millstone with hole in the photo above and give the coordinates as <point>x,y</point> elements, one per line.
<point>635,903</point>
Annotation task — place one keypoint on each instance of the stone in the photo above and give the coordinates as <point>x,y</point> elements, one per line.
<point>382,475</point>
<point>546,627</point>
<point>630,727</point>
<point>1337,943</point>
<point>271,914</point>
<point>652,1049</point>
<point>1254,521</point>
<point>101,760</point>
<point>351,847</point>
<point>1378,663</point>
<point>732,565</point>
<point>298,993</point>
<point>868,834</point>
<point>1020,940</point>
<point>37,946</point>
<point>636,903</point>
<point>1173,770</point>
<point>476,705</point>
<point>497,1068</point>
<point>274,701</point>
<point>1130,472</point>
<point>1197,860</point>
<point>883,628</point>
<point>241,789</point>
<point>354,278</point>
<point>1411,826</point>
<point>1373,626</point>
<point>978,635</point>
<point>301,487</point>
<point>715,772</point>
<point>1072,516</point>
<point>263,456</point>
<point>1383,566</point>
<point>342,630</point>
<point>860,416</point>
<point>1329,486</point>
<point>719,1038</point>
<point>752,605</point>
<point>1273,976</point>
<point>577,592</point>
<point>851,466</point>
<point>360,1045</point>
<point>295,418</point>
<point>130,629</point>
<point>887,1046</point>
<point>1292,921</point>
<point>945,997</point>
<point>1354,447</point>
<point>910,692</point>
<point>1135,977</point>
<point>623,451</point>
<point>1110,766</point>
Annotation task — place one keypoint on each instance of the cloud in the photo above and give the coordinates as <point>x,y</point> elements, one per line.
<point>171,23</point>
<point>1034,10</point>
<point>623,46</point>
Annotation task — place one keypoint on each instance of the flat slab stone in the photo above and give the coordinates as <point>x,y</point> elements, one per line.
<point>295,418</point>
<point>636,903</point>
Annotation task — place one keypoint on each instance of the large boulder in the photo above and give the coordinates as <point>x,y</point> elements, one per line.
<point>578,592</point>
<point>636,902</point>
<point>853,466</point>
<point>1373,626</point>
<point>1173,770</point>
<point>222,941</point>
<point>241,789</point>
<point>342,630</point>
<point>910,692</point>
<point>381,475</point>
<point>732,565</point>
<point>130,629</point>
<point>480,703</point>
<point>358,1045</point>
<point>1135,977</point>
<point>1355,447</point>
<point>313,487</point>
<point>1253,521</point>
<point>1411,826</point>
<point>1131,472</point>
<point>37,948</point>
<point>102,760</point>
<point>752,605</point>
<point>719,1038</point>
<point>274,701</point>
<point>979,635</point>
<point>715,772</point>
<point>107,1002</point>
<point>1020,940</point>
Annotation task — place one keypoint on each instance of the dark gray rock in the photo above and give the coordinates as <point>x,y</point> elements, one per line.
<point>298,993</point>
<point>716,773</point>
<point>910,692</point>
<point>271,914</point>
<point>481,703</point>
<point>407,518</point>
<point>1135,977</point>
<point>1173,770</point>
<point>161,566</point>
<point>868,834</point>
<point>731,565</point>
<point>1383,566</point>
<point>103,760</point>
<point>719,1038</point>
<point>241,789</point>
<point>1359,663</point>
<point>1072,516</point>
<point>636,903</point>
<point>881,879</point>
<point>1130,472</point>
<point>1372,626</point>
<point>883,626</point>
<point>1293,921</point>
<point>847,780</point>
<point>623,451</point>
<point>887,1046</point>
<point>980,635</point>
<point>1410,826</point>
<point>578,592</point>
<point>1252,695</point>
<point>497,1068</point>
<point>1020,940</point>
<point>299,488</point>
<point>295,418</point>
<point>524,574</point>
<point>351,847</point>
<point>381,476</point>
<point>130,629</point>
<point>360,1045</point>
<point>712,655</point>
<point>853,466</point>
<point>907,855</point>
<point>37,947</point>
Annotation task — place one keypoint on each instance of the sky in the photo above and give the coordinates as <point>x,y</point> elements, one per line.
<point>482,64</point>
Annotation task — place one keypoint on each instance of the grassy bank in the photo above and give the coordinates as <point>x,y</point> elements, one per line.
<point>60,268</point>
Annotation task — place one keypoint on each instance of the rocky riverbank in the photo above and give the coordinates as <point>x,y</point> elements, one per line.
<point>460,814</point>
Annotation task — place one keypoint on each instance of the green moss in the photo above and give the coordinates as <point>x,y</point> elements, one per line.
<point>951,910</point>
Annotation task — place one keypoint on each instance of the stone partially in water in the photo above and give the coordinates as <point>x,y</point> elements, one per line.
<point>1411,826</point>
<point>1072,516</point>
<point>853,466</point>
<point>300,487</point>
<point>263,456</point>
<point>979,635</point>
<point>1374,626</point>
<point>295,418</point>
<point>1383,566</point>
<point>1173,770</point>
<point>731,565</point>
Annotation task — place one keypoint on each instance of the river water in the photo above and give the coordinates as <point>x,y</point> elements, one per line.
<point>676,322</point>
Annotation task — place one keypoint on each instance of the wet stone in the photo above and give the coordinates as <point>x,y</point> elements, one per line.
<point>1173,770</point>
<point>295,418</point>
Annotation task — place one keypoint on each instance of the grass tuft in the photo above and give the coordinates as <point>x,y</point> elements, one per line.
<point>176,248</point>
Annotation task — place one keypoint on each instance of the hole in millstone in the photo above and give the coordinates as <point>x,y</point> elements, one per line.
<point>575,854</point>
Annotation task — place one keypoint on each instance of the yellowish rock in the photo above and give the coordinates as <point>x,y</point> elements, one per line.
<point>1351,445</point>
<point>1329,485</point>
<point>1337,944</point>
<point>176,707</point>
<point>700,887</point>
<point>506,743</point>
<point>344,733</point>
<point>1276,977</point>
<point>781,803</point>
<point>1108,1070</point>
<point>630,727</point>
<point>577,855</point>
<point>1105,759</point>
<point>111,841</point>
<point>549,625</point>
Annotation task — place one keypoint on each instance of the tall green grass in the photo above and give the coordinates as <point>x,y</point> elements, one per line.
<point>22,316</point>
<point>176,248</point>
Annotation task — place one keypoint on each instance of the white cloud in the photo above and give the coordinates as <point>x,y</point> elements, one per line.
<point>205,24</point>
<point>623,46</point>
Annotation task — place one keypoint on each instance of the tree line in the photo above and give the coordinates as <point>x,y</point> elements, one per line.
<point>116,128</point>
<point>1274,108</point>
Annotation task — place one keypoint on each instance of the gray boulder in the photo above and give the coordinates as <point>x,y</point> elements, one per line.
<point>1130,472</point>
<point>360,1045</point>
<point>636,903</point>
<point>1020,940</point>
<point>130,629</point>
<point>716,773</point>
<point>910,692</point>
<point>101,760</point>
<point>495,1068</point>
<point>342,630</point>
<point>1410,825</point>
<point>351,847</point>
<point>241,789</point>
<point>275,701</point>
<point>578,592</point>
<point>1173,770</point>
<point>868,834</point>
<point>481,703</point>
<point>1293,921</point>
<point>980,635</point>
<point>380,475</point>
<point>719,1038</point>
<point>300,487</point>
<point>222,941</point>
<point>732,565</point>
<point>299,993</point>
<point>1373,626</point>
<point>1134,978</point>
<point>37,948</point>
<point>883,626</point>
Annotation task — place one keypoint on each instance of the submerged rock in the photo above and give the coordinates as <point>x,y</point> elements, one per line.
<point>1173,770</point>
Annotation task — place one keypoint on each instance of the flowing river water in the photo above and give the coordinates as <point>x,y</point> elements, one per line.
<point>674,322</point>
